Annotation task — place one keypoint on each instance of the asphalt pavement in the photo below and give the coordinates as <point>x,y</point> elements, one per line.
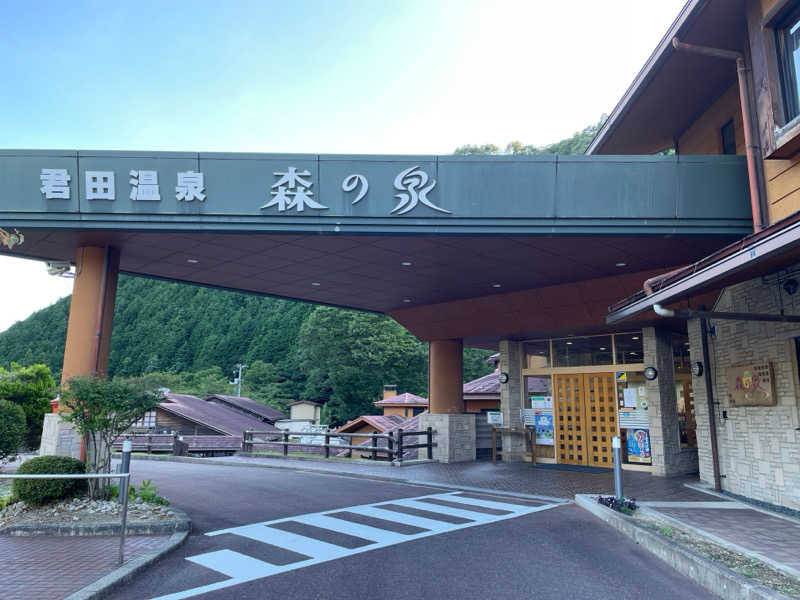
<point>298,535</point>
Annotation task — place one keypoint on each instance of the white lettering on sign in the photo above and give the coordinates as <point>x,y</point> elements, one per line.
<point>99,185</point>
<point>144,185</point>
<point>55,184</point>
<point>413,188</point>
<point>190,186</point>
<point>292,190</point>
<point>351,182</point>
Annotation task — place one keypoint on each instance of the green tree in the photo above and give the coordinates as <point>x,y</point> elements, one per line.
<point>101,410</point>
<point>12,429</point>
<point>482,149</point>
<point>31,388</point>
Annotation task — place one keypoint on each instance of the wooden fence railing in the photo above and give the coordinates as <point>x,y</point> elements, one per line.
<point>394,449</point>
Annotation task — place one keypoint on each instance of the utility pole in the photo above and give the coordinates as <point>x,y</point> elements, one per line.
<point>238,376</point>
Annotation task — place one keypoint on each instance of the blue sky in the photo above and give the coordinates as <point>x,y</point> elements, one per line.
<point>310,76</point>
<point>337,76</point>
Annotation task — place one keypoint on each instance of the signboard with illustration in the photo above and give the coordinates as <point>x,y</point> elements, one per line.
<point>751,384</point>
<point>544,429</point>
<point>638,446</point>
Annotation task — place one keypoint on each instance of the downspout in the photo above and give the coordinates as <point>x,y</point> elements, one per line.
<point>755,175</point>
<point>712,413</point>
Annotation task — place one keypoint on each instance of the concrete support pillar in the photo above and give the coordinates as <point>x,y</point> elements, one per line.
<point>511,397</point>
<point>445,377</point>
<point>455,430</point>
<point>88,336</point>
<point>662,406</point>
<point>91,312</point>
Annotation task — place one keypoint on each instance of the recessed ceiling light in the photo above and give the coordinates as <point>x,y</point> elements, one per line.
<point>622,264</point>
<point>633,353</point>
<point>315,283</point>
<point>406,263</point>
<point>193,261</point>
<point>406,299</point>
<point>602,347</point>
<point>569,343</point>
<point>636,337</point>
<point>496,285</point>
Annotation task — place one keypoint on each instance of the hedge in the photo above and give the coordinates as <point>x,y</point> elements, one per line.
<point>43,491</point>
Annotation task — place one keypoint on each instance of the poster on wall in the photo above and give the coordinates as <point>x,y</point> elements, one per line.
<point>542,402</point>
<point>494,417</point>
<point>638,446</point>
<point>544,429</point>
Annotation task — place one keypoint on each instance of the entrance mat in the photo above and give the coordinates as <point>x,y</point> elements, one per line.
<point>580,468</point>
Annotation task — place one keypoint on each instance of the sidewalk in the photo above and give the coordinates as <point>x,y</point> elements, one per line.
<point>766,536</point>
<point>34,568</point>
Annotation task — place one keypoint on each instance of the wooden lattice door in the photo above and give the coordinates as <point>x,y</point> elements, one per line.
<point>601,417</point>
<point>586,418</point>
<point>569,417</point>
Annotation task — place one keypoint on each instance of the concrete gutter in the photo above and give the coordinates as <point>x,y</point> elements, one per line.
<point>716,578</point>
<point>104,586</point>
<point>167,527</point>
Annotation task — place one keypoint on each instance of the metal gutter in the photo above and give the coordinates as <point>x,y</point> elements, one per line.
<point>746,256</point>
<point>690,10</point>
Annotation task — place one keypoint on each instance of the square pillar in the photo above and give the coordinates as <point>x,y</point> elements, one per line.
<point>511,395</point>
<point>454,436</point>
<point>662,405</point>
<point>445,376</point>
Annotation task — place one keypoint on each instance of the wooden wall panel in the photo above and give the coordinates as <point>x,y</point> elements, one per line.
<point>783,187</point>
<point>704,137</point>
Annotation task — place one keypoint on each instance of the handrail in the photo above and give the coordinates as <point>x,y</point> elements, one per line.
<point>120,476</point>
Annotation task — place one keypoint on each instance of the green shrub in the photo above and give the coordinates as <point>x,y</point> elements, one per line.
<point>12,428</point>
<point>42,491</point>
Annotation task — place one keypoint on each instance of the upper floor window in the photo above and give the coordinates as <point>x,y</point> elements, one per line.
<point>787,34</point>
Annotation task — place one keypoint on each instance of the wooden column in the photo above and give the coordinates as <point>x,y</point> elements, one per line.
<point>445,377</point>
<point>91,312</point>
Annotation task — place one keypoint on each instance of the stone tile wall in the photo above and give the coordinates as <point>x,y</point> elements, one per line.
<point>759,446</point>
<point>511,396</point>
<point>454,435</point>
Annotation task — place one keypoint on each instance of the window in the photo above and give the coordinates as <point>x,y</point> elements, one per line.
<point>787,41</point>
<point>148,421</point>
<point>728,138</point>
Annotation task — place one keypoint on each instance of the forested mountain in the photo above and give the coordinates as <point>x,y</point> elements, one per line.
<point>188,338</point>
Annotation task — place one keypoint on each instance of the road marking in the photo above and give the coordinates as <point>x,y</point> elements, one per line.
<point>241,568</point>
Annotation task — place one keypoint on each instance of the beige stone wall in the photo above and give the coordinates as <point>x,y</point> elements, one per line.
<point>304,411</point>
<point>759,447</point>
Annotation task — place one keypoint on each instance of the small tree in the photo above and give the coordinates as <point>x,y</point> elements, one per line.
<point>101,410</point>
<point>12,429</point>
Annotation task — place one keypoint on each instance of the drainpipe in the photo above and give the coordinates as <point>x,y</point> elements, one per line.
<point>755,175</point>
<point>712,413</point>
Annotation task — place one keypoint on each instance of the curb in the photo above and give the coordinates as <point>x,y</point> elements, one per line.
<point>714,577</point>
<point>182,523</point>
<point>103,586</point>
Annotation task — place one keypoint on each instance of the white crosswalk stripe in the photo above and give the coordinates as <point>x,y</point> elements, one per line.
<point>240,568</point>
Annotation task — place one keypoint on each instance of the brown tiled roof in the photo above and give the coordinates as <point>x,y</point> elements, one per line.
<point>219,417</point>
<point>382,423</point>
<point>490,384</point>
<point>405,399</point>
<point>411,424</point>
<point>248,404</point>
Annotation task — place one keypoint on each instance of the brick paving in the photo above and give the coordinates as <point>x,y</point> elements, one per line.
<point>52,568</point>
<point>774,537</point>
